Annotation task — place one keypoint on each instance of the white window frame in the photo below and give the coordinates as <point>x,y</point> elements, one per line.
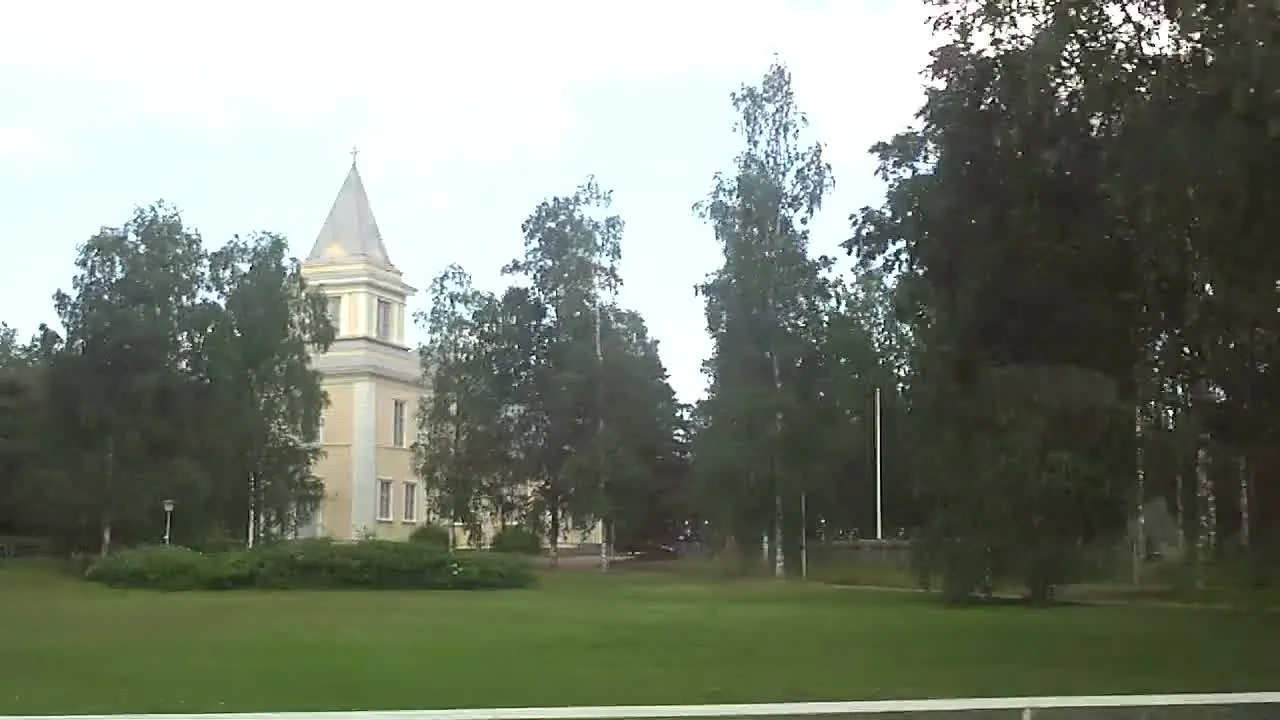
<point>389,485</point>
<point>409,511</point>
<point>399,423</point>
<point>335,313</point>
<point>382,332</point>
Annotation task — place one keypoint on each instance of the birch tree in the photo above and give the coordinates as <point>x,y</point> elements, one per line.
<point>571,252</point>
<point>766,291</point>
<point>463,452</point>
<point>126,318</point>
<point>260,344</point>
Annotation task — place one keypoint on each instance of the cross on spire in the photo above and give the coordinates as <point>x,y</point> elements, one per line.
<point>354,152</point>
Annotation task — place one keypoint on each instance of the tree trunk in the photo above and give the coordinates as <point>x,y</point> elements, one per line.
<point>1204,511</point>
<point>251,522</point>
<point>1180,512</point>
<point>109,486</point>
<point>106,535</point>
<point>1245,487</point>
<point>601,456</point>
<point>1140,521</point>
<point>779,555</point>
<point>604,545</point>
<point>553,542</point>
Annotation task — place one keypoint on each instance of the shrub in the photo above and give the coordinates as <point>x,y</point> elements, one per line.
<point>385,564</point>
<point>313,564</point>
<point>516,540</point>
<point>162,567</point>
<point>217,539</point>
<point>432,536</point>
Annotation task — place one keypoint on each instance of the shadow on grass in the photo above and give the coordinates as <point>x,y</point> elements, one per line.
<point>842,569</point>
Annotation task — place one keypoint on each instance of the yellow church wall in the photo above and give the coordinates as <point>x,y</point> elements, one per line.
<point>394,462</point>
<point>337,415</point>
<point>388,392</point>
<point>334,466</point>
<point>395,529</point>
<point>334,470</point>
<point>395,459</point>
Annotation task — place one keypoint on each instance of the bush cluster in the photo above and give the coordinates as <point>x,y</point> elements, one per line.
<point>431,535</point>
<point>516,540</point>
<point>313,564</point>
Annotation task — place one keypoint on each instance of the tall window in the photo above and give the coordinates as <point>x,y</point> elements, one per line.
<point>335,313</point>
<point>384,499</point>
<point>397,423</point>
<point>410,502</point>
<point>384,321</point>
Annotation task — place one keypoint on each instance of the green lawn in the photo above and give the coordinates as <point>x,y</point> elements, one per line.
<point>66,646</point>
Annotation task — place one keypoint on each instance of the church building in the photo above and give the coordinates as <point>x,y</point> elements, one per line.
<point>374,382</point>
<point>371,375</point>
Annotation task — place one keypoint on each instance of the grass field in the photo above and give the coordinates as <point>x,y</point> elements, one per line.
<point>66,646</point>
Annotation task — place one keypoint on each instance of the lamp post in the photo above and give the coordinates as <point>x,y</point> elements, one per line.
<point>168,519</point>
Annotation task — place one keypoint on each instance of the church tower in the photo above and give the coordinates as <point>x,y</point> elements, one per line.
<point>372,377</point>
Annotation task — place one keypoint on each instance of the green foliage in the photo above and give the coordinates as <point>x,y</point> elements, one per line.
<point>466,451</point>
<point>516,539</point>
<point>312,564</point>
<point>160,567</point>
<point>384,564</point>
<point>269,324</point>
<point>1083,229</point>
<point>1065,308</point>
<point>550,404</point>
<point>767,309</point>
<point>183,375</point>
<point>432,536</point>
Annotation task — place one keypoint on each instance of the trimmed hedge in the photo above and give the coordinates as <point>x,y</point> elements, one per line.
<point>431,535</point>
<point>312,564</point>
<point>516,540</point>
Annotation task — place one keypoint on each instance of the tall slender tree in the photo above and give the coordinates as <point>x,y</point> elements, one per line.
<point>259,350</point>
<point>463,453</point>
<point>572,250</point>
<point>759,302</point>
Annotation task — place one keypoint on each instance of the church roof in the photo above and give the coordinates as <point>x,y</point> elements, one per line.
<point>350,234</point>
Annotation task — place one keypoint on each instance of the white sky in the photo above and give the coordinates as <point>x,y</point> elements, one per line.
<point>466,115</point>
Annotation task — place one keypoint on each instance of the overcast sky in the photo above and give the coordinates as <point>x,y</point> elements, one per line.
<point>466,115</point>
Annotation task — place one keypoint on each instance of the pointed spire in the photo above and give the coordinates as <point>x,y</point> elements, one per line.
<point>350,234</point>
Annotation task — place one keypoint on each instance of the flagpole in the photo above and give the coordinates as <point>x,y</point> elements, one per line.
<point>879,475</point>
<point>605,551</point>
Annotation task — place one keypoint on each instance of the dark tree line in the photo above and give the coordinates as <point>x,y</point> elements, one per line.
<point>1068,297</point>
<point>1068,302</point>
<point>179,374</point>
